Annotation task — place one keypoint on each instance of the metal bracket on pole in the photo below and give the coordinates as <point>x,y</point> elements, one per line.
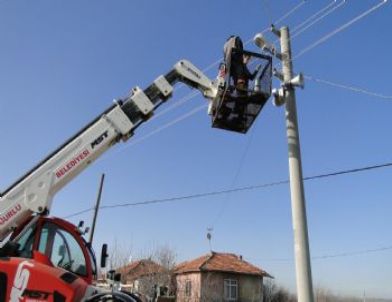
<point>275,31</point>
<point>278,74</point>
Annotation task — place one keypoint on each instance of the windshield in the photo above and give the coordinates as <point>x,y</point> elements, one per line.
<point>25,240</point>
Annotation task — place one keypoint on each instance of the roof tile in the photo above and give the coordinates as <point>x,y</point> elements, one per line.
<point>140,268</point>
<point>220,262</point>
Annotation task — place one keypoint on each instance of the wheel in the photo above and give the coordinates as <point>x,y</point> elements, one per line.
<point>112,297</point>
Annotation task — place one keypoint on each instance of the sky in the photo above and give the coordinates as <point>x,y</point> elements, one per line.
<point>63,62</point>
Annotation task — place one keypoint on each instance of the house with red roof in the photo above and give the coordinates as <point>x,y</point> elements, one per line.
<point>141,276</point>
<point>218,277</point>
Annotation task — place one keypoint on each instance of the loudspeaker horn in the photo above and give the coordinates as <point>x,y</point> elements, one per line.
<point>298,81</point>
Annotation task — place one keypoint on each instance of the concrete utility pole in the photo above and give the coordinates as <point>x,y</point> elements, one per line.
<point>96,209</point>
<point>286,95</point>
<point>301,240</point>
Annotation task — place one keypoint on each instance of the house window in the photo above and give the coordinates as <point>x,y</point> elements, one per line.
<point>230,290</point>
<point>188,288</point>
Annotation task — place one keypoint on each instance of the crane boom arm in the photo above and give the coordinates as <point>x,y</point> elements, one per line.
<point>34,192</point>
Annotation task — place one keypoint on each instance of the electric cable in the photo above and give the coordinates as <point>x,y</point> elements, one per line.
<point>233,190</point>
<point>234,181</point>
<point>339,29</point>
<point>297,30</point>
<point>347,254</point>
<point>290,12</point>
<point>180,102</point>
<point>334,32</point>
<point>309,19</point>
<point>80,213</point>
<point>329,256</point>
<point>167,125</point>
<point>158,129</point>
<point>278,21</point>
<point>352,88</point>
<point>330,11</point>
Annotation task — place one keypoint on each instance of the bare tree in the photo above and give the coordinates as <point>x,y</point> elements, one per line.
<point>326,295</point>
<point>119,255</point>
<point>210,288</point>
<point>269,290</point>
<point>153,274</point>
<point>274,293</point>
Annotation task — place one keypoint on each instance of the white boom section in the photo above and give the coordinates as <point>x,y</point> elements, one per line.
<point>35,191</point>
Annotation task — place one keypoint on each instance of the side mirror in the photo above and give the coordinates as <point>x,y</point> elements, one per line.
<point>104,255</point>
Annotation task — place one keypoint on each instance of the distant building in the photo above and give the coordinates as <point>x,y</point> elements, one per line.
<point>218,277</point>
<point>143,277</point>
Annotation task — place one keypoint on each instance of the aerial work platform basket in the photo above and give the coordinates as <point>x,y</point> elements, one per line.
<point>242,99</point>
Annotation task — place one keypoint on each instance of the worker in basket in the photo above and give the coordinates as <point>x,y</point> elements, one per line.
<point>242,75</point>
<point>236,61</point>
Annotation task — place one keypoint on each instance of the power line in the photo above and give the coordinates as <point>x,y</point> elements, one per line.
<point>278,21</point>
<point>290,12</point>
<point>309,19</point>
<point>297,29</point>
<point>185,197</point>
<point>302,30</point>
<point>350,171</point>
<point>234,181</point>
<point>159,129</point>
<point>182,101</point>
<point>80,212</point>
<point>329,256</point>
<point>339,29</point>
<point>347,254</point>
<point>336,31</point>
<point>352,88</point>
<point>238,189</point>
<point>167,125</point>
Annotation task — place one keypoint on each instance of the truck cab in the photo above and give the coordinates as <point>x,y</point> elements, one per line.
<point>59,242</point>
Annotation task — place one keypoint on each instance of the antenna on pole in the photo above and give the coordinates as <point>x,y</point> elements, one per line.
<point>209,236</point>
